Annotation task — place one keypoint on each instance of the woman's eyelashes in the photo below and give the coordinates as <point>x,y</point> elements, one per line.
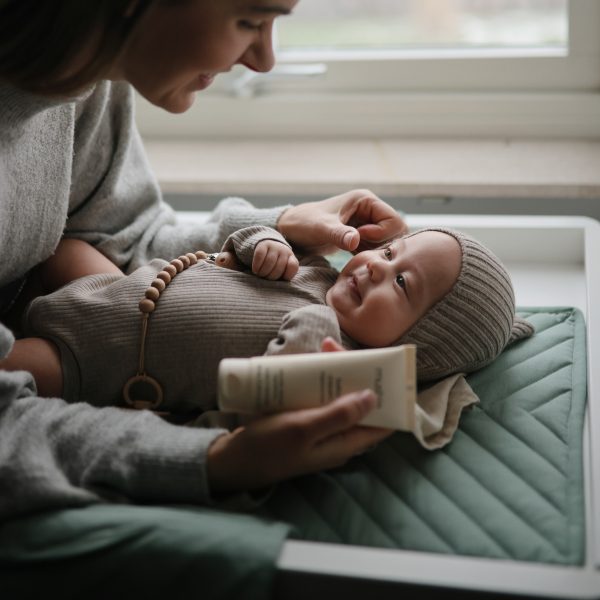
<point>249,25</point>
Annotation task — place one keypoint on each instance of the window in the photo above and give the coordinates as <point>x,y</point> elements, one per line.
<point>417,45</point>
<point>340,25</point>
<point>351,68</point>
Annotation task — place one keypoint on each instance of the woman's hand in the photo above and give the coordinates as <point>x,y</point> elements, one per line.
<point>294,443</point>
<point>354,221</point>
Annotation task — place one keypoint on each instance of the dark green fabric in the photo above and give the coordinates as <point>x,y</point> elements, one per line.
<point>119,551</point>
<point>509,485</point>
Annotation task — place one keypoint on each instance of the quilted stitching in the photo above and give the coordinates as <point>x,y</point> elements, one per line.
<point>508,486</point>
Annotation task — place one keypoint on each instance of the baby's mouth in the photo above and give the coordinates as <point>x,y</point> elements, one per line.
<point>354,289</point>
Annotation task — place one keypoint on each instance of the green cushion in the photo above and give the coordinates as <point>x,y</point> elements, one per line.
<point>509,485</point>
<point>118,551</point>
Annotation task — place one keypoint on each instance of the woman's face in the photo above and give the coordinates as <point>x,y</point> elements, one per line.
<point>179,47</point>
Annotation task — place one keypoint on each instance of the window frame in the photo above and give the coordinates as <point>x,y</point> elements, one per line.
<point>516,92</point>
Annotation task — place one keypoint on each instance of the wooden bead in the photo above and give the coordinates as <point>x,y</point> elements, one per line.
<point>146,305</point>
<point>177,264</point>
<point>159,284</point>
<point>152,293</point>
<point>171,270</point>
<point>164,276</point>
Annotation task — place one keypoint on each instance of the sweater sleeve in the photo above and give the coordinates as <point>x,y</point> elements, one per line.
<point>243,242</point>
<point>303,330</point>
<point>54,454</point>
<point>115,201</point>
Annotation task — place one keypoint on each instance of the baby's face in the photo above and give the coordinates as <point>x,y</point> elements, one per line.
<point>380,294</point>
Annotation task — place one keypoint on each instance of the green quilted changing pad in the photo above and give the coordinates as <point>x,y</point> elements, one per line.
<point>508,486</point>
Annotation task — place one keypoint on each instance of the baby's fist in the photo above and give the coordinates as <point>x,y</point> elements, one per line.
<point>274,260</point>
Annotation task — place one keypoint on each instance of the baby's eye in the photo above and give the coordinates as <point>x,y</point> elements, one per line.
<point>387,252</point>
<point>401,281</point>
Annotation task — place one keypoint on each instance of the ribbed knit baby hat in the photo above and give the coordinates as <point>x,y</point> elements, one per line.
<point>470,326</point>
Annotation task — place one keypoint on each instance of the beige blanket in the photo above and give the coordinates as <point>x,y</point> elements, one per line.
<point>439,408</point>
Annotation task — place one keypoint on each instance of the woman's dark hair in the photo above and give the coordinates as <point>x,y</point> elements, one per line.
<point>58,47</point>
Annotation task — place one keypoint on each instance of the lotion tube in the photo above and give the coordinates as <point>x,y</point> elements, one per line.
<point>269,384</point>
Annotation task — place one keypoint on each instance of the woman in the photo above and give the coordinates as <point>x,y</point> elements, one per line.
<point>72,164</point>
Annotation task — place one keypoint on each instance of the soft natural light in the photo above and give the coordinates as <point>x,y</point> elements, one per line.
<point>401,68</point>
<point>342,25</point>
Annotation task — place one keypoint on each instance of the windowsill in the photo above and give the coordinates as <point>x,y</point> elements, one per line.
<point>423,169</point>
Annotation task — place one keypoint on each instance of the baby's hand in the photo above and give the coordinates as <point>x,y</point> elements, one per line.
<point>228,260</point>
<point>274,260</point>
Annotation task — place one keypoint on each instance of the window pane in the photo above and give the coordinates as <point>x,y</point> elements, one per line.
<point>404,24</point>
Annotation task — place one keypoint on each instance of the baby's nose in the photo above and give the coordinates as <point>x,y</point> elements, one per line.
<point>376,269</point>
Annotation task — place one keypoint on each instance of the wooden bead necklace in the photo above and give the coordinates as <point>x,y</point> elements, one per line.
<point>147,305</point>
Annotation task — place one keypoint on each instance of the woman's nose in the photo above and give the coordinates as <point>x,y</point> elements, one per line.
<point>260,56</point>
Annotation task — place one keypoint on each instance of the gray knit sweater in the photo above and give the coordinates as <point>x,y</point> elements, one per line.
<point>79,168</point>
<point>207,313</point>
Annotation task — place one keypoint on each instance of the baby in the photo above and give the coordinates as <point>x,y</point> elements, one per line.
<point>436,288</point>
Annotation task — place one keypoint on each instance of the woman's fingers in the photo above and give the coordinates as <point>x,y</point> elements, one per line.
<point>285,445</point>
<point>338,449</point>
<point>344,237</point>
<point>341,414</point>
<point>375,220</point>
<point>332,435</point>
<point>343,221</point>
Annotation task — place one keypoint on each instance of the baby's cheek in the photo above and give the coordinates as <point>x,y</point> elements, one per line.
<point>395,324</point>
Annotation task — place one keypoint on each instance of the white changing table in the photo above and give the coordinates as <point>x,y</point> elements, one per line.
<point>553,262</point>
